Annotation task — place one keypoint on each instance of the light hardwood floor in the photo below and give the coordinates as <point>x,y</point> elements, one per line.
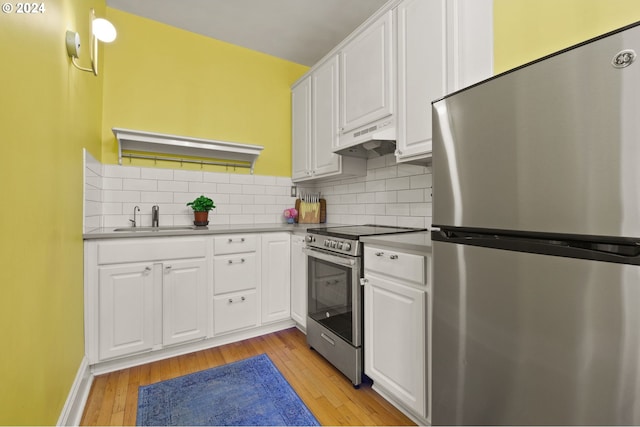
<point>326,392</point>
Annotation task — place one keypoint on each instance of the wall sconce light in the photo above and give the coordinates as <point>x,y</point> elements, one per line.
<point>102,30</point>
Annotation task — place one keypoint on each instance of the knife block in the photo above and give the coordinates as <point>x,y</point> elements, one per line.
<point>315,216</point>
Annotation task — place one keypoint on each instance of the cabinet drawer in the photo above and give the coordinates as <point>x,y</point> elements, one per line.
<point>401,265</point>
<point>234,311</point>
<point>233,273</point>
<point>234,244</point>
<point>144,249</point>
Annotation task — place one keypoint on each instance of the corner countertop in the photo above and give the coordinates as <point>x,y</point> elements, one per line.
<point>109,233</point>
<point>419,241</point>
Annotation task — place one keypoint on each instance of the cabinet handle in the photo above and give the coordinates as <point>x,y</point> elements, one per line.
<point>327,339</point>
<point>242,298</point>
<point>379,253</point>
<point>147,270</point>
<point>393,256</point>
<point>241,240</point>
<point>167,268</point>
<point>231,261</point>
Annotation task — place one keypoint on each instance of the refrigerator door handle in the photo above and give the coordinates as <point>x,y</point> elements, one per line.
<point>621,251</point>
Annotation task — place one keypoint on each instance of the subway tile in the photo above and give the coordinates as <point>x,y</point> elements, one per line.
<point>156,197</point>
<point>219,178</point>
<point>386,220</point>
<point>140,184</point>
<point>403,183</point>
<point>112,209</point>
<point>284,181</point>
<point>399,209</point>
<point>376,209</point>
<point>375,186</point>
<point>405,169</point>
<point>376,162</point>
<point>264,180</point>
<point>173,186</point>
<point>365,198</point>
<point>414,221</point>
<point>358,187</point>
<point>252,189</point>
<point>117,171</point>
<point>229,209</point>
<point>120,196</point>
<point>241,179</point>
<point>386,197</point>
<point>229,188</point>
<point>253,209</point>
<point>112,183</point>
<point>156,173</point>
<point>386,172</point>
<point>241,219</point>
<point>411,196</point>
<point>421,209</point>
<point>186,175</point>
<point>240,199</point>
<point>205,188</point>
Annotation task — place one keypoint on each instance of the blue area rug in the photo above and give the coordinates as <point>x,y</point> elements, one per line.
<point>249,392</point>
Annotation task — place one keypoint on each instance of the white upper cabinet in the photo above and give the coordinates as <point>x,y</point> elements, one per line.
<point>469,26</point>
<point>315,128</point>
<point>421,74</point>
<point>301,130</point>
<point>366,76</point>
<point>324,118</point>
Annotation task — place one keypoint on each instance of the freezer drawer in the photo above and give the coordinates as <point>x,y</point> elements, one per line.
<point>521,338</point>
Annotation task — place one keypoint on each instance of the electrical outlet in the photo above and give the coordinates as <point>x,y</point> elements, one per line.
<point>294,191</point>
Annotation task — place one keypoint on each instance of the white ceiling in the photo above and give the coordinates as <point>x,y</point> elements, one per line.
<point>301,31</point>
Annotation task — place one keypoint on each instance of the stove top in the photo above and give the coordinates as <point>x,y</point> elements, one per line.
<point>354,232</point>
<point>345,239</point>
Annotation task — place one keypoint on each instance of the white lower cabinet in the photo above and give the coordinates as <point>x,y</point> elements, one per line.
<point>157,299</point>
<point>184,301</point>
<point>395,312</point>
<point>151,297</point>
<point>126,310</point>
<point>276,277</point>
<point>298,281</point>
<point>236,280</point>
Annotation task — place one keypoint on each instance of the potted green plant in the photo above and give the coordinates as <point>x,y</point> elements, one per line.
<point>201,207</point>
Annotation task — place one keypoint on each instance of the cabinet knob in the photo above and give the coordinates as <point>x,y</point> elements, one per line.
<point>147,269</point>
<point>230,300</point>
<point>242,298</point>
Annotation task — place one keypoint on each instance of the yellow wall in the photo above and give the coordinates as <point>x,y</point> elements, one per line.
<point>163,79</point>
<point>525,30</point>
<point>49,111</point>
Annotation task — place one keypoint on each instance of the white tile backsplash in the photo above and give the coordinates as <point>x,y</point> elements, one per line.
<point>390,194</point>
<point>239,199</point>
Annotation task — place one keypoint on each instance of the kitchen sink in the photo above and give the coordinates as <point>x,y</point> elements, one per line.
<point>156,229</point>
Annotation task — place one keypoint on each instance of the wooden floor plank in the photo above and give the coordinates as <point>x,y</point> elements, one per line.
<point>328,394</point>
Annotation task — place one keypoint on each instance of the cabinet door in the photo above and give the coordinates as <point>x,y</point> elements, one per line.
<point>301,130</point>
<point>126,310</point>
<point>298,281</point>
<point>276,279</point>
<point>421,73</point>
<point>324,122</point>
<point>184,301</point>
<point>395,340</point>
<point>366,89</point>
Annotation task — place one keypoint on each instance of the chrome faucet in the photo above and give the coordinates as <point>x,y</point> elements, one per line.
<point>137,208</point>
<point>155,216</point>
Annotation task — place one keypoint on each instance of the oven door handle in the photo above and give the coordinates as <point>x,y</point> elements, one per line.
<point>346,262</point>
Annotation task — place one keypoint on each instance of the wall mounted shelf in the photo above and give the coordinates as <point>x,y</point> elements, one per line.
<point>233,154</point>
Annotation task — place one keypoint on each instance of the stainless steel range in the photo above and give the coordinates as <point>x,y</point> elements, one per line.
<point>335,297</point>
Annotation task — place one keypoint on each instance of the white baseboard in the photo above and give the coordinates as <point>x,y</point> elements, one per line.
<point>74,406</point>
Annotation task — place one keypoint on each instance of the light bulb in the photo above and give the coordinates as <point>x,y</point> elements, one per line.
<point>104,30</point>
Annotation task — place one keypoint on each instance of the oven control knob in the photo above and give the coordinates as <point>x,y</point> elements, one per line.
<point>326,243</point>
<point>334,244</point>
<point>340,245</point>
<point>310,239</point>
<point>346,246</point>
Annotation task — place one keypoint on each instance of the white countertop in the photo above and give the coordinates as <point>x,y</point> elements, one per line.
<point>109,233</point>
<point>417,241</point>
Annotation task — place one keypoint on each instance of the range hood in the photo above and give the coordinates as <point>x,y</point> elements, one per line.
<point>369,142</point>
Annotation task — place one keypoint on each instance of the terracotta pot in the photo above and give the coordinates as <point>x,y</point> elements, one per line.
<point>201,218</point>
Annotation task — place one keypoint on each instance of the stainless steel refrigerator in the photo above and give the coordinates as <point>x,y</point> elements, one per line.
<point>536,198</point>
